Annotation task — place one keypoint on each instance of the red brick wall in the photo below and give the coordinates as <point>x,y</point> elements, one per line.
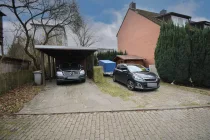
<point>138,36</point>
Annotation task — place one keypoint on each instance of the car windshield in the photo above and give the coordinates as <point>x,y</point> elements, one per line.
<point>70,66</point>
<point>136,69</point>
<point>65,65</point>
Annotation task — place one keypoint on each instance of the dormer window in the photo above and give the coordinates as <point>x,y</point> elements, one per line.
<point>175,18</point>
<point>179,21</point>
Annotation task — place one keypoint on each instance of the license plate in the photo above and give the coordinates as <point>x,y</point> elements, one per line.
<point>69,77</point>
<point>151,84</point>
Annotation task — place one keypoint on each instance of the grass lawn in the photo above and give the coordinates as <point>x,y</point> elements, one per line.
<point>113,89</point>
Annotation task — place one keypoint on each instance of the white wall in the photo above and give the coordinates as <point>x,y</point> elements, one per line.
<point>57,40</point>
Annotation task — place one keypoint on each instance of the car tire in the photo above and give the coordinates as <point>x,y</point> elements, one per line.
<point>83,81</point>
<point>130,85</point>
<point>58,83</point>
<point>114,78</point>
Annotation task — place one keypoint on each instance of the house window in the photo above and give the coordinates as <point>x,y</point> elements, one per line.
<point>206,26</point>
<point>179,21</point>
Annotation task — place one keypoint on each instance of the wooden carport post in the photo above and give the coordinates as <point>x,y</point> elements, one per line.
<point>49,68</point>
<point>42,67</point>
<point>53,67</point>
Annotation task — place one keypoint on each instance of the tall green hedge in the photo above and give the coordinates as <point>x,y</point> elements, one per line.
<point>206,69</point>
<point>198,57</point>
<point>165,53</point>
<point>14,79</point>
<point>182,55</point>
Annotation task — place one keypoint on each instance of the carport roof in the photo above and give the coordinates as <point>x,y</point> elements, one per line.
<point>65,52</point>
<point>51,47</point>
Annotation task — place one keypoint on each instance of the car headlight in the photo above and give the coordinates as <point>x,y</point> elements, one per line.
<point>59,73</point>
<point>137,78</point>
<point>82,72</point>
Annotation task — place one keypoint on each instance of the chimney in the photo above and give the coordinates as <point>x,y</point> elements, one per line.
<point>163,12</point>
<point>132,5</point>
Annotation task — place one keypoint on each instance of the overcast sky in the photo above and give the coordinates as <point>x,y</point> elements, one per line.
<point>105,16</point>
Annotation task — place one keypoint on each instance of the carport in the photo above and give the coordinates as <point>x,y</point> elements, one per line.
<point>57,54</point>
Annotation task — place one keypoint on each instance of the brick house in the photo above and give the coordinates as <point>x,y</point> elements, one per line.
<point>140,29</point>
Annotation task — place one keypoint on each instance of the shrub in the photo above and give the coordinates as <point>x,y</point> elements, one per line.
<point>198,57</point>
<point>165,53</point>
<point>206,68</point>
<point>98,74</point>
<point>182,56</point>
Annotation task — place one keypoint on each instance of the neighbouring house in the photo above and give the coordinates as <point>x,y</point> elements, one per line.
<point>9,64</point>
<point>1,32</point>
<point>200,24</point>
<point>57,36</point>
<point>140,29</point>
<point>129,59</point>
<point>101,50</point>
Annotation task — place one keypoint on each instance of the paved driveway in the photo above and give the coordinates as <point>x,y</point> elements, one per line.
<point>169,96</point>
<point>192,124</point>
<point>74,97</point>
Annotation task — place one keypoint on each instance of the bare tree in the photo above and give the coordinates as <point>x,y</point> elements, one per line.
<point>84,36</point>
<point>57,13</point>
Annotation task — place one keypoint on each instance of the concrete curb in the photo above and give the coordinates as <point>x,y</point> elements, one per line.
<point>125,110</point>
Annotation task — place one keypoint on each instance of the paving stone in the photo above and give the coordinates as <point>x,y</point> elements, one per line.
<point>186,124</point>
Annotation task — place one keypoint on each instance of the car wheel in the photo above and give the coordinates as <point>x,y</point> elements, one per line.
<point>114,78</point>
<point>58,83</point>
<point>83,81</point>
<point>130,85</point>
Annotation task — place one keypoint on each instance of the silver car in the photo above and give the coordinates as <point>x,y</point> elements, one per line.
<point>70,72</point>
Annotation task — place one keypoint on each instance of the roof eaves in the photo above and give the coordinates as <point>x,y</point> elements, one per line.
<point>123,21</point>
<point>174,13</point>
<point>132,57</point>
<point>2,14</point>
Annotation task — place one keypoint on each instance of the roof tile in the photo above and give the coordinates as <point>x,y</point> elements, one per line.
<point>129,57</point>
<point>149,15</point>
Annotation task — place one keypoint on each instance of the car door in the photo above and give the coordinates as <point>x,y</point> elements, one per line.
<point>124,74</point>
<point>117,73</point>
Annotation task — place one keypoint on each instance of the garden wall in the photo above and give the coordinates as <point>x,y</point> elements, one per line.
<point>8,64</point>
<point>12,80</point>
